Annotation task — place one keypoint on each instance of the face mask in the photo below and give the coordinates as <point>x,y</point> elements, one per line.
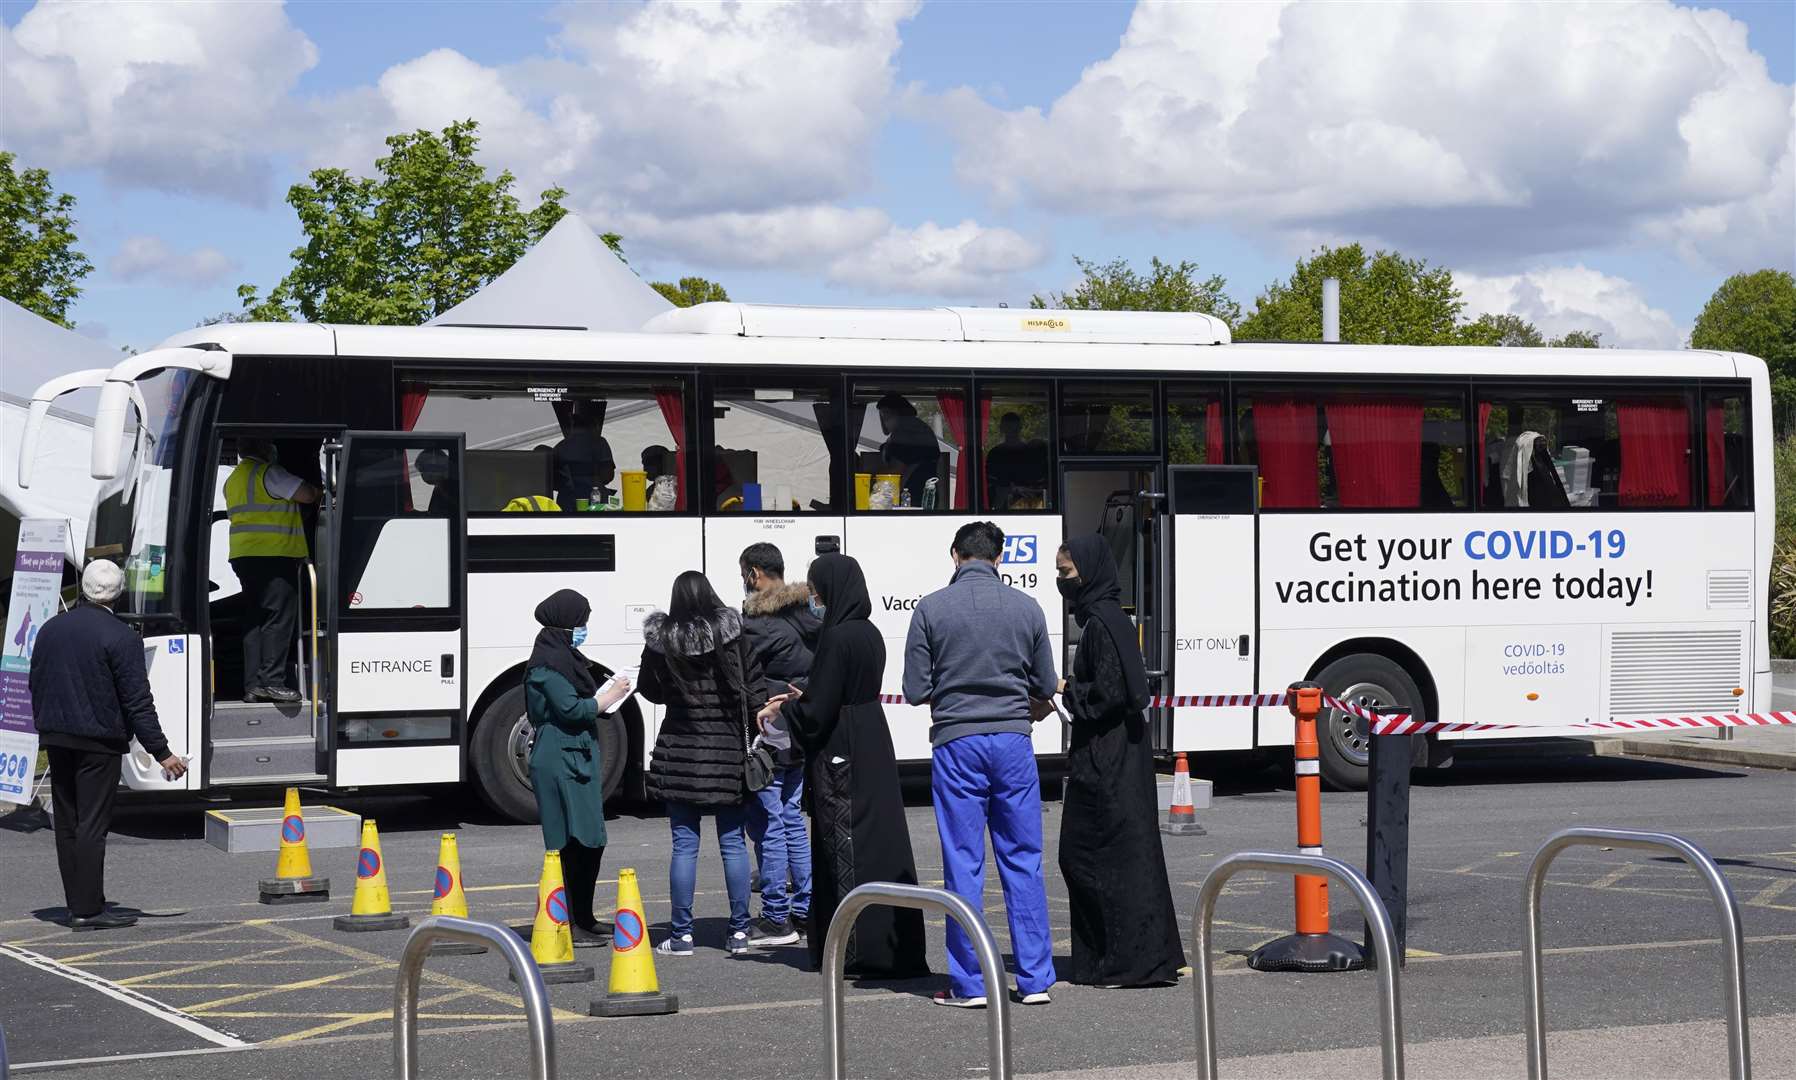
<point>1068,586</point>
<point>579,636</point>
<point>817,607</point>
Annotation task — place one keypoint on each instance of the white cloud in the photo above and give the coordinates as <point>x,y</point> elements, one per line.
<point>150,257</point>
<point>183,97</point>
<point>1565,298</point>
<point>952,261</point>
<point>1478,130</point>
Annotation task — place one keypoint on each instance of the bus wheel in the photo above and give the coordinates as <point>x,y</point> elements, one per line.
<point>501,753</point>
<point>1370,681</point>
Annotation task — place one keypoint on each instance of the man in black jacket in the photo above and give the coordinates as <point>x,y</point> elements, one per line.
<point>90,695</point>
<point>782,633</point>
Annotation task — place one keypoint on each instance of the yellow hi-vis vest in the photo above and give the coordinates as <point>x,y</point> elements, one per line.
<point>532,504</point>
<point>262,525</point>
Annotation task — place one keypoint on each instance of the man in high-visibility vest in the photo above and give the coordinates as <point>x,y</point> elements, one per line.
<point>268,550</point>
<point>532,504</point>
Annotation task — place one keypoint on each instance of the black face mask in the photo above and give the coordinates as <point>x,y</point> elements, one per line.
<point>1069,587</point>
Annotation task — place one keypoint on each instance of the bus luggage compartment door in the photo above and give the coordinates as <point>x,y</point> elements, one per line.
<point>1214,554</point>
<point>397,610</point>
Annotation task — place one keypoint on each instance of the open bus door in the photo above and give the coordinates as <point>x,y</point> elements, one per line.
<point>1213,547</point>
<point>396,585</point>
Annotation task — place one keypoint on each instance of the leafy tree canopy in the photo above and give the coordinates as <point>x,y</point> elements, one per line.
<point>690,291</point>
<point>1386,299</point>
<point>408,244</point>
<point>40,270</point>
<point>1117,286</point>
<point>1511,331</point>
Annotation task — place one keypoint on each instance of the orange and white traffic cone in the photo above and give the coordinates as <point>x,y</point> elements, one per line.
<point>1312,947</point>
<point>373,906</point>
<point>551,940</point>
<point>634,990</point>
<point>448,898</point>
<point>293,882</point>
<point>1181,816</point>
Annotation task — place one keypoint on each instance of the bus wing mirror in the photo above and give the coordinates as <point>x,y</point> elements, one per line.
<point>41,399</point>
<point>118,391</point>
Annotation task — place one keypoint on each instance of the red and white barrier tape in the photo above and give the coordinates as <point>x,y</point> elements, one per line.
<point>1402,724</point>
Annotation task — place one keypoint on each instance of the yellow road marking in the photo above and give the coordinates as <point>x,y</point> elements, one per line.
<point>270,991</point>
<point>176,940</point>
<point>1616,875</point>
<point>1469,867</point>
<point>1772,892</point>
<point>356,1020</point>
<point>149,977</point>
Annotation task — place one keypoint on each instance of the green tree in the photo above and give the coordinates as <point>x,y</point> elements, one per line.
<point>1578,339</point>
<point>1117,286</point>
<point>1511,331</point>
<point>1386,299</point>
<point>690,291</point>
<point>1756,314</point>
<point>40,270</point>
<point>408,244</point>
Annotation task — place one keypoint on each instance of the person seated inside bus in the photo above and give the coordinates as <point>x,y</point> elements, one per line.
<point>661,466</point>
<point>910,447</point>
<point>433,469</point>
<point>1528,476</point>
<point>1016,469</point>
<point>584,468</point>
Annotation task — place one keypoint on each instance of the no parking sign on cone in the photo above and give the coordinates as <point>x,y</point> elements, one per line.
<point>634,990</point>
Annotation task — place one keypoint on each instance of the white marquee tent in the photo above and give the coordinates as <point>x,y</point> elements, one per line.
<point>570,279</point>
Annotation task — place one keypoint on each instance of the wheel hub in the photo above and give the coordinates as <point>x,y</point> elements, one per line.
<point>517,749</point>
<point>1349,732</point>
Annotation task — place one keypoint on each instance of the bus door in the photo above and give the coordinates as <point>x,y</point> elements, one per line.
<point>1118,501</point>
<point>396,586</point>
<point>1213,547</point>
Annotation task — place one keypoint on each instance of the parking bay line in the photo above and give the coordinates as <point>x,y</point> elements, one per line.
<point>141,1002</point>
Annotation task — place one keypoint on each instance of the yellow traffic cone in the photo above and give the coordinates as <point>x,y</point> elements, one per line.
<point>373,906</point>
<point>634,989</point>
<point>293,882</point>
<point>551,941</point>
<point>448,898</point>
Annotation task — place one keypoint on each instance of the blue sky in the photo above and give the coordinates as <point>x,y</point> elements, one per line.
<point>1597,167</point>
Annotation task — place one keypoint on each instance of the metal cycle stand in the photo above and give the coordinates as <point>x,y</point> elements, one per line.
<point>1378,922</point>
<point>1733,950</point>
<point>538,1011</point>
<point>930,901</point>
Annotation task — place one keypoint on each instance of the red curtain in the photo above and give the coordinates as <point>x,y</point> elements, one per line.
<point>1285,433</point>
<point>954,414</point>
<point>1213,450</point>
<point>1655,453</point>
<point>673,410</point>
<point>1715,437</point>
<point>1483,423</point>
<point>1377,447</point>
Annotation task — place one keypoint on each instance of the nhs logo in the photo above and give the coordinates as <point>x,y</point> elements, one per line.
<point>1019,549</point>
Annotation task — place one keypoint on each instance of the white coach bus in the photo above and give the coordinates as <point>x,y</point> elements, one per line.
<point>1533,536</point>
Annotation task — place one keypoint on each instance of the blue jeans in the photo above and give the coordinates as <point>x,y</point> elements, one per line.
<point>982,781</point>
<point>682,875</point>
<point>782,846</point>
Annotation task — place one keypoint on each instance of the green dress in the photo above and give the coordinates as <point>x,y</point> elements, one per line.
<point>564,765</point>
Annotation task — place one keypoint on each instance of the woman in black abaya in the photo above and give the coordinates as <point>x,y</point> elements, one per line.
<point>858,831</point>
<point>1125,931</point>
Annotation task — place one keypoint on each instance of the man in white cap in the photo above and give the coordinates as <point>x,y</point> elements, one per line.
<point>90,696</point>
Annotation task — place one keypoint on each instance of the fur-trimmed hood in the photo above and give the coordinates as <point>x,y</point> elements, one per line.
<point>777,600</point>
<point>689,640</point>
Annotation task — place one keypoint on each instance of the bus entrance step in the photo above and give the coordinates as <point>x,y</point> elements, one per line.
<point>264,761</point>
<point>236,720</point>
<point>259,828</point>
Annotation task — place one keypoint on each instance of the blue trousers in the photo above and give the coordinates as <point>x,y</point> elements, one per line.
<point>782,848</point>
<point>682,872</point>
<point>990,781</point>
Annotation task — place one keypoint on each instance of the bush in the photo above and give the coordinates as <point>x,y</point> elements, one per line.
<point>1783,556</point>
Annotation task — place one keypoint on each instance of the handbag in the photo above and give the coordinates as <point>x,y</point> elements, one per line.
<point>757,761</point>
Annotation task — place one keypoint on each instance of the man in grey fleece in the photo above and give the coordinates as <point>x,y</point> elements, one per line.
<point>978,654</point>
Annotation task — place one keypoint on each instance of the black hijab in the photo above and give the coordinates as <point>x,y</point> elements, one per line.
<point>842,589</point>
<point>1098,600</point>
<point>559,614</point>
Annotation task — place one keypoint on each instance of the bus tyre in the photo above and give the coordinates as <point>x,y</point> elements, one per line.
<point>501,753</point>
<point>1364,679</point>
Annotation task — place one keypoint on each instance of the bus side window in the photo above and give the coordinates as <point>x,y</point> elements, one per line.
<point>1604,447</point>
<point>775,449</point>
<point>1017,425</point>
<point>1195,432</point>
<point>1725,479</point>
<point>1356,448</point>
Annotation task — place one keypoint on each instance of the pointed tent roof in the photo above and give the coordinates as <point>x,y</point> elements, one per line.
<point>34,350</point>
<point>569,279</point>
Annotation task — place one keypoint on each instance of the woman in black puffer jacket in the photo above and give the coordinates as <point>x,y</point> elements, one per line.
<point>696,662</point>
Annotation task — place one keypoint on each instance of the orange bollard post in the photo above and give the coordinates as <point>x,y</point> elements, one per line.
<point>1312,947</point>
